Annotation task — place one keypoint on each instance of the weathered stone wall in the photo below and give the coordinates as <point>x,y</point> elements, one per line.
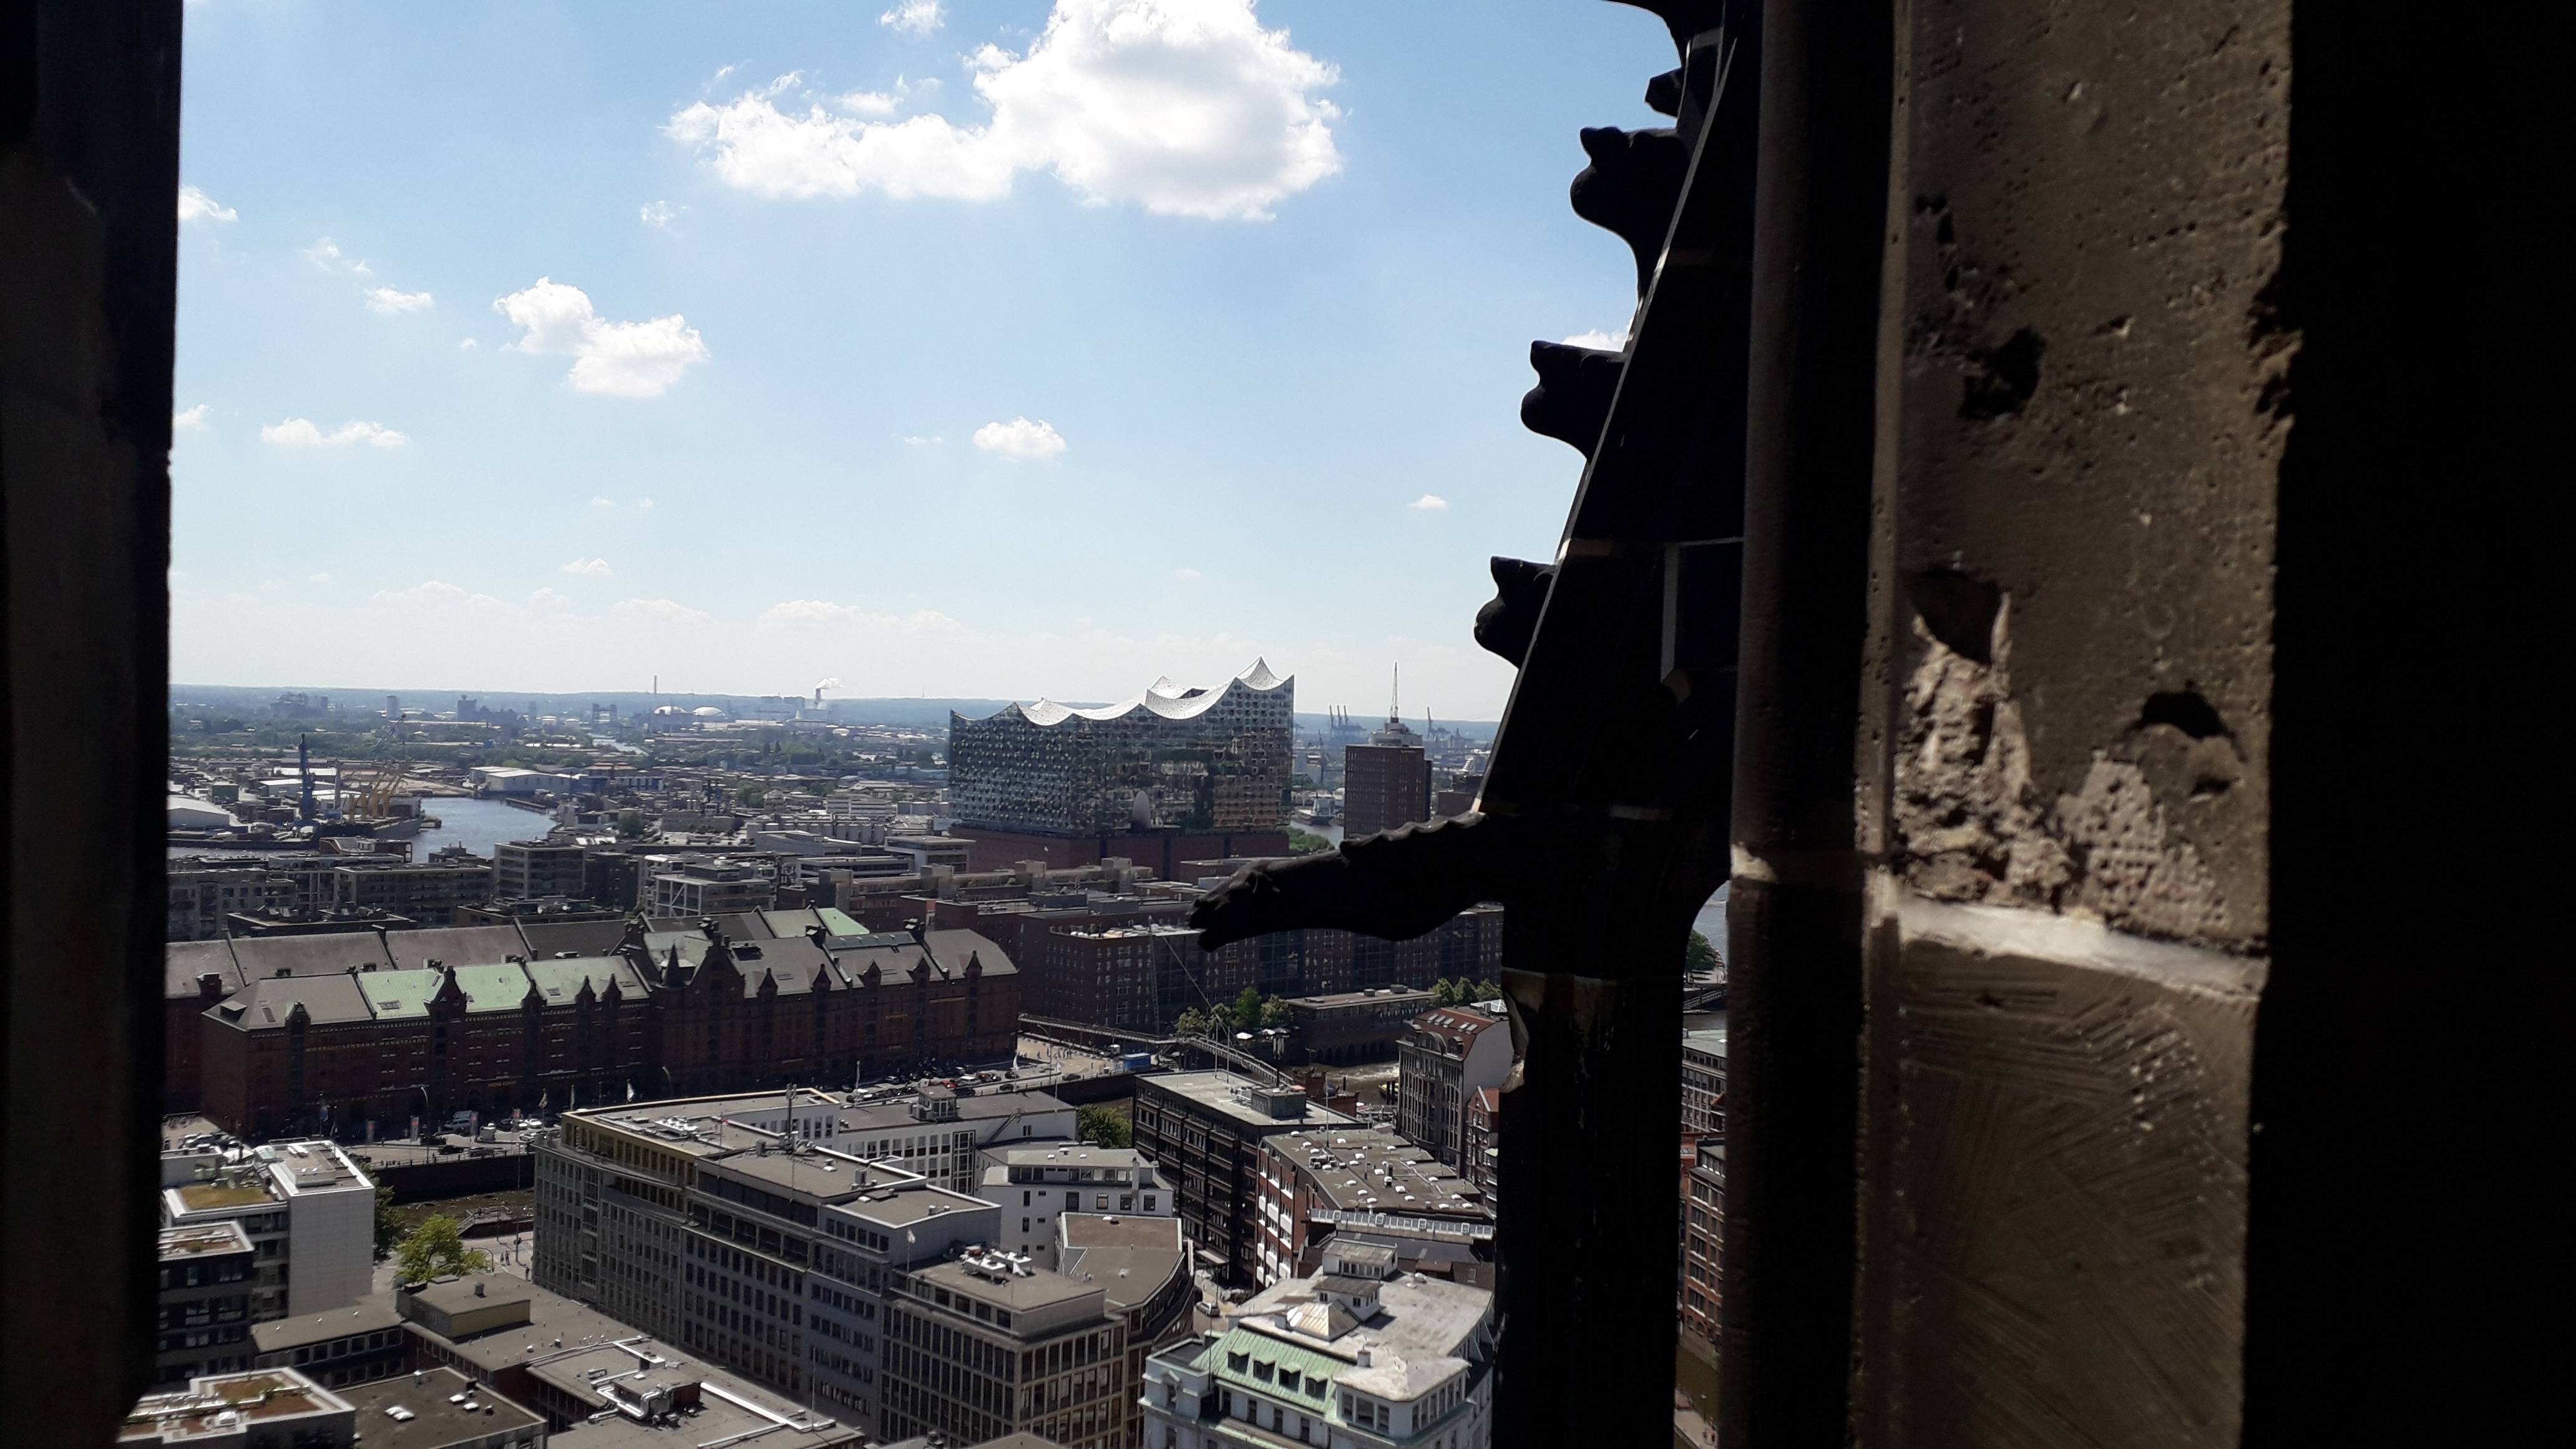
<point>2064,774</point>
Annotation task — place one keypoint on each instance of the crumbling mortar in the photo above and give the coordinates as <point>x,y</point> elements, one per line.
<point>1971,823</point>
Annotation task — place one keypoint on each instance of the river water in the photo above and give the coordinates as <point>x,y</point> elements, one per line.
<point>478,825</point>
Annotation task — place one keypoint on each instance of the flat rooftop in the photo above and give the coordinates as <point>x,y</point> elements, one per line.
<point>202,1239</point>
<point>1061,1154</point>
<point>219,1405</point>
<point>199,1197</point>
<point>891,1208</point>
<point>727,1409</point>
<point>1383,995</point>
<point>439,1407</point>
<point>1117,1230</point>
<point>1216,1091</point>
<point>1037,1288</point>
<point>367,1315</point>
<point>555,1323</point>
<point>1372,1169</point>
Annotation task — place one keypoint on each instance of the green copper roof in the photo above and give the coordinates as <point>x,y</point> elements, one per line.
<point>399,995</point>
<point>1315,1370</point>
<point>493,988</point>
<point>560,982</point>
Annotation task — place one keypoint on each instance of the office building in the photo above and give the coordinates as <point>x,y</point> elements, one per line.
<point>1037,1185</point>
<point>428,891</point>
<point>719,887</point>
<point>1204,1131</point>
<point>593,1381</point>
<point>984,1346</point>
<point>206,890</point>
<point>1703,1257</point>
<point>337,1347</point>
<point>259,1409</point>
<point>1315,1185</point>
<point>203,1323</point>
<point>308,1211</point>
<point>522,868</point>
<point>1385,783</point>
<point>760,1231</point>
<point>1142,1268</point>
<point>1481,1158</point>
<point>1445,1057</point>
<point>1704,1081</point>
<point>1183,764</point>
<point>1355,1357</point>
<point>1346,1027</point>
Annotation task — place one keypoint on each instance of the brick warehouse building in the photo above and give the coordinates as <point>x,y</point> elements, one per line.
<point>1139,973</point>
<point>661,1013</point>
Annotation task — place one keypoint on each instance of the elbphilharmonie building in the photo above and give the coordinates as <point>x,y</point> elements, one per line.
<point>1171,759</point>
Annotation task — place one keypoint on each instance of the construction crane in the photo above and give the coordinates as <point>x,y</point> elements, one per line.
<point>377,797</point>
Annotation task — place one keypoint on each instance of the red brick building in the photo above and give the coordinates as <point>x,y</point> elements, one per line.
<point>656,1014</point>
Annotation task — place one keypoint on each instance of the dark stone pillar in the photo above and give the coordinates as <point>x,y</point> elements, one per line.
<point>1794,912</point>
<point>89,180</point>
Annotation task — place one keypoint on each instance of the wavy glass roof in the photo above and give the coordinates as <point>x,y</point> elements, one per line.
<point>1163,699</point>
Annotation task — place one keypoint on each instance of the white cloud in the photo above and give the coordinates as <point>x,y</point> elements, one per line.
<point>317,578</point>
<point>195,205</point>
<point>1185,107</point>
<point>549,599</point>
<point>659,213</point>
<point>592,566</point>
<point>619,359</point>
<point>1020,440</point>
<point>432,594</point>
<point>301,433</point>
<point>643,502</point>
<point>603,503</point>
<point>191,421</point>
<point>867,103</point>
<point>1429,503</point>
<point>466,344</point>
<point>327,255</point>
<point>1606,341</point>
<point>914,17</point>
<point>1188,576</point>
<point>663,611</point>
<point>385,301</point>
<point>921,441</point>
<point>823,613</point>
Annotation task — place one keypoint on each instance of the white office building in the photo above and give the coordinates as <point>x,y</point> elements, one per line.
<point>1355,1357</point>
<point>1035,1185</point>
<point>308,1210</point>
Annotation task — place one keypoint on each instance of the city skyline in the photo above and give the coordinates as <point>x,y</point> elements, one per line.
<point>749,349</point>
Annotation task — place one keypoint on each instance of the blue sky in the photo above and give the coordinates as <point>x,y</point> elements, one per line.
<point>974,349</point>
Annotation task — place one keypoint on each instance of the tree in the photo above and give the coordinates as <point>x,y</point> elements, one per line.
<point>1700,954</point>
<point>1444,992</point>
<point>1307,842</point>
<point>1274,1013</point>
<point>389,1229</point>
<point>751,794</point>
<point>1102,1125</point>
<point>1247,1010</point>
<point>1192,1022</point>
<point>435,1249</point>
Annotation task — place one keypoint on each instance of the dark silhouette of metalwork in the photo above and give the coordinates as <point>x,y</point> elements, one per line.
<point>1603,822</point>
